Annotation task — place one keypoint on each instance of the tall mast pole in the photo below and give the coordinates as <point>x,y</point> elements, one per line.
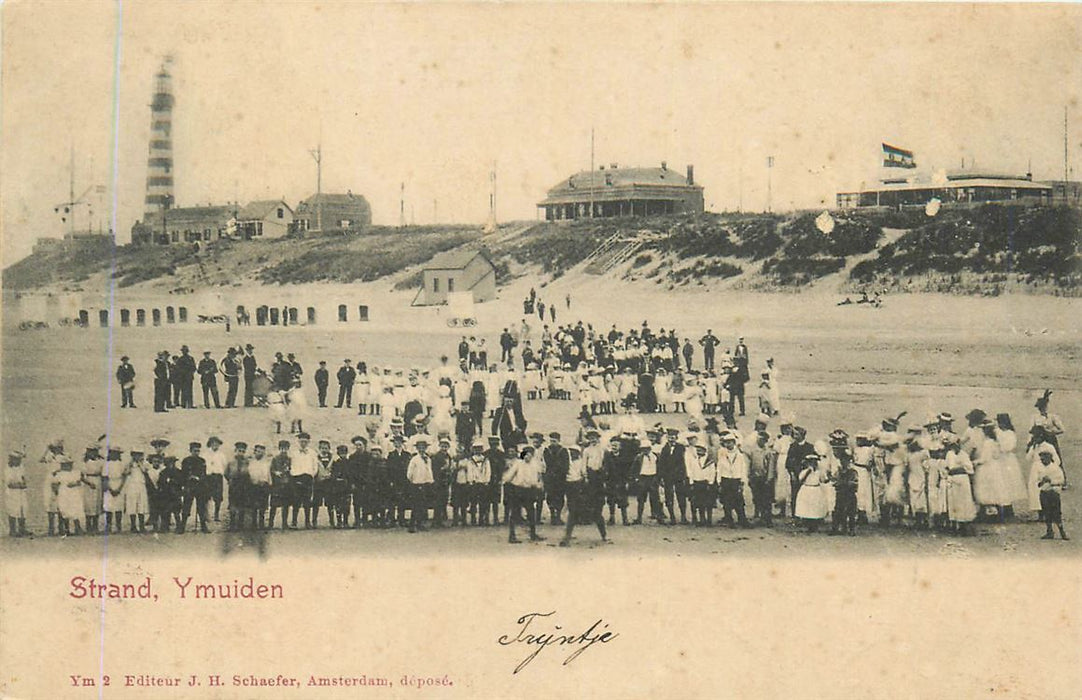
<point>71,189</point>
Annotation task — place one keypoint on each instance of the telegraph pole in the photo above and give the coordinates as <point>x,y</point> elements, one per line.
<point>317,156</point>
<point>402,206</point>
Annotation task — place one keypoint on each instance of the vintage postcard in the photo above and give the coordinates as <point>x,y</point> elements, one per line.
<point>491,350</point>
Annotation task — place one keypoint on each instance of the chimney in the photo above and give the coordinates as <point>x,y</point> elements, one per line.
<point>613,166</point>
<point>691,174</point>
<point>664,165</point>
<point>608,178</point>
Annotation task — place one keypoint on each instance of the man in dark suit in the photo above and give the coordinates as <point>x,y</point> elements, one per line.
<point>125,376</point>
<point>185,371</point>
<point>398,460</point>
<point>346,377</point>
<point>322,380</point>
<point>231,372</point>
<point>249,364</point>
<point>509,423</point>
<point>673,474</point>
<point>161,382</point>
<point>709,342</point>
<point>208,379</point>
<point>557,464</point>
<point>194,471</point>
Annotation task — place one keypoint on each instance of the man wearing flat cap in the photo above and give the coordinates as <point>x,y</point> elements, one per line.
<point>171,485</point>
<point>497,462</point>
<point>420,479</point>
<point>303,468</point>
<point>208,379</point>
<point>557,462</point>
<point>236,473</point>
<point>194,469</point>
<point>398,460</point>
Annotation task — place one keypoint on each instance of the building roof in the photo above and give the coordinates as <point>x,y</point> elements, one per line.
<point>348,200</point>
<point>217,213</point>
<point>261,209</point>
<point>456,259</point>
<point>620,177</point>
<point>957,184</point>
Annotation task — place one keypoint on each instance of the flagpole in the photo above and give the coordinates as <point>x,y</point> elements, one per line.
<point>769,188</point>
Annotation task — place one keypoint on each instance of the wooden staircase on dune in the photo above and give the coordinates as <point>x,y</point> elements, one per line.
<point>614,250</point>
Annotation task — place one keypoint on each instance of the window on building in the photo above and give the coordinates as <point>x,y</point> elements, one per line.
<point>311,315</point>
<point>436,284</point>
<point>103,318</point>
<point>156,315</point>
<point>206,234</point>
<point>341,313</point>
<point>450,284</point>
<point>362,312</point>
<point>183,313</point>
<point>259,228</point>
<point>170,315</point>
<point>174,236</point>
<point>140,317</point>
<point>84,317</point>
<point>344,223</point>
<point>281,213</point>
<point>274,315</point>
<point>125,317</point>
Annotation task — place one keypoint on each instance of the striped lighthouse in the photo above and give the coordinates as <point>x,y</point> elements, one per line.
<point>159,195</point>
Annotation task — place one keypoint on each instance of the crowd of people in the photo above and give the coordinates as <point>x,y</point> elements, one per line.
<point>455,439</point>
<point>604,372</point>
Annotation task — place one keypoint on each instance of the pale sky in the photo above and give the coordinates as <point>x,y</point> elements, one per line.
<point>433,95</point>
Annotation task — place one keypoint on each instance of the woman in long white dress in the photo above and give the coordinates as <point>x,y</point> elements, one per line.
<point>1012,470</point>
<point>895,493</point>
<point>863,462</point>
<point>92,499</point>
<point>136,503</point>
<point>783,485</point>
<point>811,503</point>
<point>662,390</point>
<point>828,467</point>
<point>1033,454</point>
<point>775,392</point>
<point>961,508</point>
<point>69,498</point>
<point>989,481</point>
<point>276,407</point>
<point>362,389</point>
<point>693,398</point>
